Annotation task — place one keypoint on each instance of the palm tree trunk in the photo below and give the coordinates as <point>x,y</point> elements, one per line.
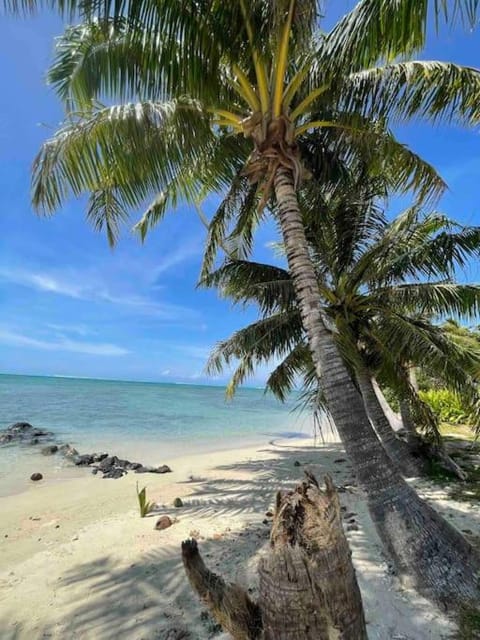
<point>393,417</point>
<point>397,449</point>
<point>308,588</point>
<point>413,439</point>
<point>422,544</point>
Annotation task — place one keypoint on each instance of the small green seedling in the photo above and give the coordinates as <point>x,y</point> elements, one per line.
<point>143,503</point>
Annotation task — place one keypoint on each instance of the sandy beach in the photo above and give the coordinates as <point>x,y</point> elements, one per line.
<point>78,562</point>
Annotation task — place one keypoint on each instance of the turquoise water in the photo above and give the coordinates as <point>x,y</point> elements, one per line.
<point>132,419</point>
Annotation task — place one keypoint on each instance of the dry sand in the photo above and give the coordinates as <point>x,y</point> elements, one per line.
<point>77,561</point>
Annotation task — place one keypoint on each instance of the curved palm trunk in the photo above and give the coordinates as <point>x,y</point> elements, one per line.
<point>413,439</point>
<point>422,544</point>
<point>393,417</point>
<point>397,449</point>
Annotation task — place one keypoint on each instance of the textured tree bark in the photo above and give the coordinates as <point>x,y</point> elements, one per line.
<point>229,604</point>
<point>394,418</point>
<point>413,439</point>
<point>422,544</point>
<point>397,449</point>
<point>308,588</point>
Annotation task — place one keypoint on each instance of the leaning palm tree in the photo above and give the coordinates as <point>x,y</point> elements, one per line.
<point>365,294</point>
<point>232,95</point>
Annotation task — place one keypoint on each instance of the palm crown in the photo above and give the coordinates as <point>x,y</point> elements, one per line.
<point>379,283</point>
<point>211,91</point>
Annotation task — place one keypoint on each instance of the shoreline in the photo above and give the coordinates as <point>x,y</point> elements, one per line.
<point>92,569</point>
<point>56,469</point>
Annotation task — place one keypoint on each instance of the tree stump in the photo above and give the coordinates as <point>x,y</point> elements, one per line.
<point>308,588</point>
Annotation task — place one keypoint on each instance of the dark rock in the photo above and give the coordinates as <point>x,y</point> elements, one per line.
<point>352,527</point>
<point>149,469</point>
<point>178,503</point>
<point>98,457</point>
<point>40,433</point>
<point>114,473</point>
<point>266,521</point>
<point>269,514</point>
<point>83,461</point>
<point>297,464</point>
<point>22,432</point>
<point>36,476</point>
<point>163,523</point>
<point>50,450</point>
<point>163,469</point>
<point>469,532</point>
<point>20,427</point>
<point>68,451</point>
<point>95,471</point>
<point>121,463</point>
<point>106,463</point>
<point>338,460</point>
<point>133,466</point>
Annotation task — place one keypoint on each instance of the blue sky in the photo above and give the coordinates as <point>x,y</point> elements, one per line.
<point>71,306</point>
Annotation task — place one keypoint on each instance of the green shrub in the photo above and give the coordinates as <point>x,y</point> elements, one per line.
<point>447,405</point>
<point>144,505</point>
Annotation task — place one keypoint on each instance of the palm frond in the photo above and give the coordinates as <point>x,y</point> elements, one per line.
<point>284,378</point>
<point>433,298</point>
<point>140,146</point>
<point>439,91</point>
<point>241,281</point>
<point>373,32</point>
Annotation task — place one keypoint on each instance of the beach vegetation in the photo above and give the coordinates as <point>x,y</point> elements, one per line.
<point>229,97</point>
<point>144,505</point>
<point>448,406</point>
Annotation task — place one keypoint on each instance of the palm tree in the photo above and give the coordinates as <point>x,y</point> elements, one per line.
<point>362,282</point>
<point>231,96</point>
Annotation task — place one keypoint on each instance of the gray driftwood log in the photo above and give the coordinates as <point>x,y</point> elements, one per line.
<point>308,589</point>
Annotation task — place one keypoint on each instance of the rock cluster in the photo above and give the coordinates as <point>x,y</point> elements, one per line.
<point>110,466</point>
<point>113,466</point>
<point>24,433</point>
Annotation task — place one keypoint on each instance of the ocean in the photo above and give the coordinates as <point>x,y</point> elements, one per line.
<point>145,422</point>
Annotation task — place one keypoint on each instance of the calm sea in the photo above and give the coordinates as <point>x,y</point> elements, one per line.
<point>133,419</point>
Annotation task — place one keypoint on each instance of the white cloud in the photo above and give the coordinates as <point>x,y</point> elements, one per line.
<point>62,344</point>
<point>47,283</point>
<point>77,329</point>
<point>96,292</point>
<point>187,250</point>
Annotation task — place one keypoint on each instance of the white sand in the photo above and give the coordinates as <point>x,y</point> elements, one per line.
<point>77,561</point>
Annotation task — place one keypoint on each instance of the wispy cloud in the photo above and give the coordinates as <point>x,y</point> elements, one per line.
<point>95,291</point>
<point>77,329</point>
<point>62,344</point>
<point>188,250</point>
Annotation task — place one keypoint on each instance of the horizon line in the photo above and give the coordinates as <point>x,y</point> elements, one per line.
<point>71,377</point>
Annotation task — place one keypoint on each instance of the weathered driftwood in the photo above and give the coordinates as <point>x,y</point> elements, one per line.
<point>229,604</point>
<point>308,588</point>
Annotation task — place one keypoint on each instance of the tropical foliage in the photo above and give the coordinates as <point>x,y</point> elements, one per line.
<point>195,80</point>
<point>447,405</point>
<point>379,284</point>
